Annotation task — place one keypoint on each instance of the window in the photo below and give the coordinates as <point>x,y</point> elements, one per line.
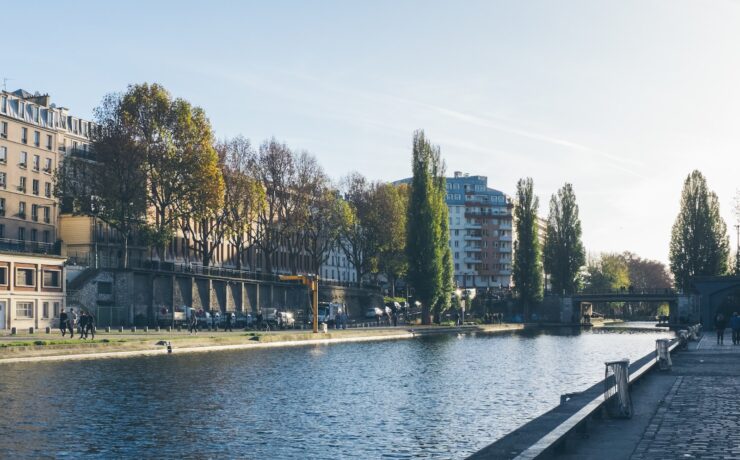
<point>53,278</point>
<point>45,310</point>
<point>36,163</point>
<point>2,230</point>
<point>24,160</point>
<point>46,234</point>
<point>24,310</point>
<point>35,212</point>
<point>47,189</point>
<point>47,218</point>
<point>48,142</point>
<point>105,287</point>
<point>4,129</point>
<point>25,277</point>
<point>2,206</point>
<point>21,233</point>
<point>57,309</point>
<point>47,165</point>
<point>36,138</point>
<point>35,186</point>
<point>24,135</point>
<point>4,104</point>
<point>22,184</point>
<point>3,154</point>
<point>22,210</point>
<point>34,235</point>
<point>3,180</point>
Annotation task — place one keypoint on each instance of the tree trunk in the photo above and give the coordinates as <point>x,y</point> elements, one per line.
<point>425,319</point>
<point>125,251</point>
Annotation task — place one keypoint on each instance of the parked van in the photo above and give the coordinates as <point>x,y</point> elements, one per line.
<point>328,312</point>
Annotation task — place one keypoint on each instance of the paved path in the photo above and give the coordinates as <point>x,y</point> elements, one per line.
<point>700,416</point>
<point>691,412</point>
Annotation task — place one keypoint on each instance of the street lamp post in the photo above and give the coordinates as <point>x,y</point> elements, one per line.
<point>737,253</point>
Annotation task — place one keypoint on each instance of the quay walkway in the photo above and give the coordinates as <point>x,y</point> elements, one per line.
<point>692,411</point>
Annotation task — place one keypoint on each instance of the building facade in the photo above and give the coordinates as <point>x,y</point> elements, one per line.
<point>34,136</point>
<point>32,290</point>
<point>481,233</point>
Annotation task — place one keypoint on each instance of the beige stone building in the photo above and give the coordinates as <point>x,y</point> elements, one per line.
<point>32,289</point>
<point>34,136</point>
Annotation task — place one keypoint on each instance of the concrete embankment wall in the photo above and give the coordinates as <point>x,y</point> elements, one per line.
<point>124,297</point>
<point>548,434</point>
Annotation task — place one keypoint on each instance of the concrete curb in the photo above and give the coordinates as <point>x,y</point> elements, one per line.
<point>203,349</point>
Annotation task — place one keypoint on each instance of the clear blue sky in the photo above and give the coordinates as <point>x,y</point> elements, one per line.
<point>623,99</point>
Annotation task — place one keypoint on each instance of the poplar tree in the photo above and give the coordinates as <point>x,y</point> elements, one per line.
<point>700,245</point>
<point>527,270</point>
<point>564,252</point>
<point>427,238</point>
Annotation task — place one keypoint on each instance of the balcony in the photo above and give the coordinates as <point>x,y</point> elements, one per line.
<point>473,237</point>
<point>473,248</point>
<point>34,247</point>
<point>472,260</point>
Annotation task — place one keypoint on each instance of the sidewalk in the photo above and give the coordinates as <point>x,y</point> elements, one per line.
<point>52,347</point>
<point>691,412</point>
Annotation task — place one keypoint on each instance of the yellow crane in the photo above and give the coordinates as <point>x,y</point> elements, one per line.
<point>312,281</point>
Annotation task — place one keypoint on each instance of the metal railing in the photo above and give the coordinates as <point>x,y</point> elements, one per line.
<point>7,244</point>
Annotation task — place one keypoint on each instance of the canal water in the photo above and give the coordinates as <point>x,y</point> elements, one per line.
<point>439,397</point>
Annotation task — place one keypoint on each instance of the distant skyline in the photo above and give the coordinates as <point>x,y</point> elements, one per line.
<point>621,99</point>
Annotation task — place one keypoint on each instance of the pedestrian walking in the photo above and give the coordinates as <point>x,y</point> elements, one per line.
<point>735,326</point>
<point>63,320</point>
<point>193,324</point>
<point>90,326</point>
<point>82,324</point>
<point>72,322</point>
<point>229,320</point>
<point>720,323</point>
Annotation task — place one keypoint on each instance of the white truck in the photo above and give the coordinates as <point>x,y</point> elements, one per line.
<point>329,311</point>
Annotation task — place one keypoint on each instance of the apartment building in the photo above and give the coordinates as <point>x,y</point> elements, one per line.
<point>34,136</point>
<point>481,232</point>
<point>32,290</point>
<point>337,267</point>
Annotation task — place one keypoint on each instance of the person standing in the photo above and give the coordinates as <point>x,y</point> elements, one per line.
<point>229,319</point>
<point>82,324</point>
<point>193,324</point>
<point>72,322</point>
<point>720,323</point>
<point>90,326</point>
<point>735,326</point>
<point>63,320</point>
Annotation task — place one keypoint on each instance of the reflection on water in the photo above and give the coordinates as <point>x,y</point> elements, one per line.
<point>435,397</point>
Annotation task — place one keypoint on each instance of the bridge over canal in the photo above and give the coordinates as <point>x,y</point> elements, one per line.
<point>707,296</point>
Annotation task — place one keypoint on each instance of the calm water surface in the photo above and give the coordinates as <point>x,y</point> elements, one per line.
<point>441,397</point>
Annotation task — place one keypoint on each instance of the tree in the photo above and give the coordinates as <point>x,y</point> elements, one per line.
<point>354,238</point>
<point>244,196</point>
<point>527,270</point>
<point>389,205</point>
<point>146,110</point>
<point>646,274</point>
<point>324,226</point>
<point>699,240</point>
<point>275,169</point>
<point>564,253</point>
<point>427,237</point>
<point>118,178</point>
<point>306,189</point>
<point>610,272</point>
<point>200,201</point>
<point>183,178</point>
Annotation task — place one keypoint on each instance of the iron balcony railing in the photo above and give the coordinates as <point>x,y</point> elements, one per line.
<point>7,244</point>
